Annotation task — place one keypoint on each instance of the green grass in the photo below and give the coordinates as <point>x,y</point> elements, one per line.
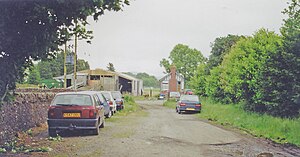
<point>277,129</point>
<point>170,103</point>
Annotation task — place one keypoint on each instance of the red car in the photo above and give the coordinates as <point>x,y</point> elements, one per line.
<point>75,111</point>
<point>189,92</point>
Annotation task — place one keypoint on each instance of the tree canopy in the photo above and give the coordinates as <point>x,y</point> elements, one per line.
<point>111,67</point>
<point>185,59</point>
<point>33,30</point>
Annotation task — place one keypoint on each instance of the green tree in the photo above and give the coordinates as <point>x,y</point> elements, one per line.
<point>110,67</point>
<point>198,81</point>
<point>33,30</point>
<point>185,59</point>
<point>220,47</point>
<point>34,76</point>
<point>55,67</point>
<point>280,80</point>
<point>148,81</point>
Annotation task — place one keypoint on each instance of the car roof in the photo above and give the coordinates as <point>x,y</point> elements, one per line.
<point>77,92</point>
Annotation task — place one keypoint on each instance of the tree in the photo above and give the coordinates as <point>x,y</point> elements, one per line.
<point>34,76</point>
<point>185,59</point>
<point>280,79</point>
<point>33,30</point>
<point>55,67</point>
<point>148,81</point>
<point>110,67</point>
<point>220,47</point>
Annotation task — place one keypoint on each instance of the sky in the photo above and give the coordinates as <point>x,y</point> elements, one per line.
<point>139,37</point>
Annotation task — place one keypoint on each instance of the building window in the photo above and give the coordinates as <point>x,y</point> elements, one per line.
<point>95,77</point>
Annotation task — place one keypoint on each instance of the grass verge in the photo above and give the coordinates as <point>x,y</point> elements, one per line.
<point>171,103</point>
<point>277,129</point>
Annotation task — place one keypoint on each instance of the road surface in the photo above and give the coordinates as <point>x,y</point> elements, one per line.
<point>159,131</point>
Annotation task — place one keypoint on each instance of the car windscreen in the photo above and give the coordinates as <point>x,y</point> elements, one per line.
<point>116,95</point>
<point>72,99</point>
<point>189,98</point>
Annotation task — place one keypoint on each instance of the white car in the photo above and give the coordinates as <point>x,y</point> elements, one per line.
<point>110,100</point>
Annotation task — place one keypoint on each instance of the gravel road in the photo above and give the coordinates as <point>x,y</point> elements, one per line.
<point>159,131</point>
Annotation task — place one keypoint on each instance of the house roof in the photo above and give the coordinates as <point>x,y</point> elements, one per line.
<point>126,76</point>
<point>177,74</point>
<point>98,71</point>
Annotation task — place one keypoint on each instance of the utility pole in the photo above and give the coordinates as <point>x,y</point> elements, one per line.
<point>65,66</point>
<point>75,57</point>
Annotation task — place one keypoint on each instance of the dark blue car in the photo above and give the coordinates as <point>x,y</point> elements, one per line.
<point>188,103</point>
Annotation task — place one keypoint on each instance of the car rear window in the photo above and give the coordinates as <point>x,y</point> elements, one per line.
<point>189,98</point>
<point>73,99</point>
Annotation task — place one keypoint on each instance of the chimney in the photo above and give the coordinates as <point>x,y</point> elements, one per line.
<point>173,81</point>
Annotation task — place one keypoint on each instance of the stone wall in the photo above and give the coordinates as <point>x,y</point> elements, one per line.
<point>28,110</point>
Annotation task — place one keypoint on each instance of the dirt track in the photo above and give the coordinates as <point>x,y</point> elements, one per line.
<point>158,131</point>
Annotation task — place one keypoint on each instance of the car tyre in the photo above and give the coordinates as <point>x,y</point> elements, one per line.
<point>103,124</point>
<point>52,132</point>
<point>95,131</point>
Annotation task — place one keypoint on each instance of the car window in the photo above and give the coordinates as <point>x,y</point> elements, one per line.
<point>189,98</point>
<point>97,100</point>
<point>73,99</point>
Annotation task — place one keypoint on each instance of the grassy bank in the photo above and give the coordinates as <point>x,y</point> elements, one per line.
<point>277,129</point>
<point>130,107</point>
<point>170,104</point>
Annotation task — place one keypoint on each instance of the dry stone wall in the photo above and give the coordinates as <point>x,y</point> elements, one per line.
<point>28,110</point>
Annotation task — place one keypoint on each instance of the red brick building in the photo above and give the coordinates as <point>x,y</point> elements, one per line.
<point>172,82</point>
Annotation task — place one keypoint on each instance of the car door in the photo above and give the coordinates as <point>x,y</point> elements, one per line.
<point>99,107</point>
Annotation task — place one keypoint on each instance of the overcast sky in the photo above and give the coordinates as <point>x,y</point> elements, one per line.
<point>137,38</point>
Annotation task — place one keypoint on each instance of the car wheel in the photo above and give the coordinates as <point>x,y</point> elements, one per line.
<point>112,113</point>
<point>52,132</point>
<point>103,123</point>
<point>179,112</point>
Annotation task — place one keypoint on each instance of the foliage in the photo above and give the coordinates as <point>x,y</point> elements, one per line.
<point>220,47</point>
<point>148,80</point>
<point>280,82</point>
<point>34,76</point>
<point>198,81</point>
<point>185,59</point>
<point>55,67</point>
<point>33,30</point>
<point>110,67</point>
<point>277,129</point>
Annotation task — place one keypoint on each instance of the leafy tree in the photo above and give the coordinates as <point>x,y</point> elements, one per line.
<point>55,67</point>
<point>110,67</point>
<point>33,30</point>
<point>34,76</point>
<point>185,59</point>
<point>243,64</point>
<point>198,81</point>
<point>220,47</point>
<point>280,80</point>
<point>148,81</point>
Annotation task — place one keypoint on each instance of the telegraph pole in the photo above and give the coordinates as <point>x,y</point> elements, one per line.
<point>65,66</point>
<point>75,56</point>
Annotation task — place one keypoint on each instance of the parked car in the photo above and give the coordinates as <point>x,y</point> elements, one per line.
<point>188,92</point>
<point>174,95</point>
<point>110,100</point>
<point>75,111</point>
<point>161,96</point>
<point>107,112</point>
<point>118,97</point>
<point>188,103</point>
